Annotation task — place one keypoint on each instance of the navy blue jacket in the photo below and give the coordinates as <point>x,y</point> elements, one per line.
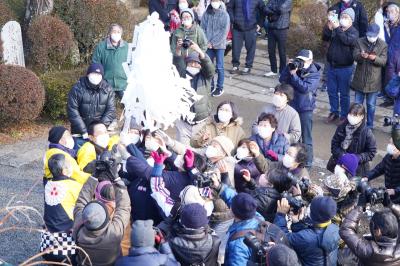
<point>256,16</point>
<point>278,12</point>
<point>305,84</point>
<point>240,184</point>
<point>149,256</point>
<point>393,90</point>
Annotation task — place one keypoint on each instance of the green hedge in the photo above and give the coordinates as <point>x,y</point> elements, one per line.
<point>57,85</point>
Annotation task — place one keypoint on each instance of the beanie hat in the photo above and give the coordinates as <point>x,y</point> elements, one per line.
<point>56,133</point>
<point>373,30</point>
<point>143,234</point>
<point>193,56</point>
<point>95,68</point>
<point>350,12</point>
<point>322,209</point>
<point>226,144</point>
<point>244,206</point>
<point>194,216</point>
<point>282,255</point>
<point>349,161</point>
<point>187,10</point>
<point>95,216</point>
<point>191,194</point>
<point>338,186</point>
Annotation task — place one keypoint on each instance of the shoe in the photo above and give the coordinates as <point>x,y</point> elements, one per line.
<point>235,70</point>
<point>218,93</point>
<point>332,118</point>
<point>245,71</point>
<point>341,121</point>
<point>270,74</point>
<point>212,90</point>
<point>266,37</point>
<point>386,104</point>
<point>380,95</point>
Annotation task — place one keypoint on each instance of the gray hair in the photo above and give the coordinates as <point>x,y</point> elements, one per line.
<point>396,7</point>
<point>57,163</point>
<point>112,26</point>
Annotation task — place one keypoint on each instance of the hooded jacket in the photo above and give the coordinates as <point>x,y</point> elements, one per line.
<point>149,256</point>
<point>87,103</point>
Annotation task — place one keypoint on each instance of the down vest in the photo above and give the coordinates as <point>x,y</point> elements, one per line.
<point>87,103</point>
<point>278,13</point>
<point>257,10</point>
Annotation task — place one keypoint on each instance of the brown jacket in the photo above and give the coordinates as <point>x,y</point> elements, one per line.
<point>369,252</point>
<point>368,74</point>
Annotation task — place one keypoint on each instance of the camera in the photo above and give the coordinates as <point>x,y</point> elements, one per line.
<point>296,64</point>
<point>373,195</point>
<point>391,121</point>
<point>295,204</point>
<point>259,249</point>
<point>395,123</point>
<point>186,43</point>
<point>106,167</point>
<point>304,183</point>
<point>202,180</point>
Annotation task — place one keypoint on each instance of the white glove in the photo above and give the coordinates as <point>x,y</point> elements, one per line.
<point>85,136</point>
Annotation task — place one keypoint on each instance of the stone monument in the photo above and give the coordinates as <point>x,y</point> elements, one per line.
<point>13,49</point>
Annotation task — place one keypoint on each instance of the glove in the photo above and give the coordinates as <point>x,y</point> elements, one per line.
<point>158,158</point>
<point>272,155</point>
<point>123,151</point>
<point>159,239</point>
<point>362,200</point>
<point>167,139</point>
<point>85,136</point>
<point>189,160</point>
<point>386,200</point>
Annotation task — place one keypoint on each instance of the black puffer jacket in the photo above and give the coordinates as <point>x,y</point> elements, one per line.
<point>266,198</point>
<point>257,11</point>
<point>369,252</point>
<point>195,247</point>
<point>389,167</point>
<point>363,145</point>
<point>87,103</point>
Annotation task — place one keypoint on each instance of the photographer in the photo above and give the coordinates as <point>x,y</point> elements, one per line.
<point>316,239</point>
<point>303,75</point>
<point>99,225</point>
<point>382,247</point>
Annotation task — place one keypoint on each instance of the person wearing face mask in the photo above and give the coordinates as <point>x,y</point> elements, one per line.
<point>342,37</point>
<point>60,195</point>
<point>393,90</point>
<point>226,122</point>
<point>111,53</point>
<point>164,9</point>
<point>273,144</point>
<point>305,83</point>
<point>61,142</point>
<point>347,165</point>
<point>215,23</point>
<point>370,53</point>
<point>90,99</point>
<point>353,136</point>
<point>389,167</point>
<point>288,118</point>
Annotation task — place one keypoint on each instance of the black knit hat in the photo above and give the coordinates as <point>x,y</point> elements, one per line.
<point>322,209</point>
<point>281,255</point>
<point>56,133</point>
<point>95,68</point>
<point>244,206</point>
<point>194,216</point>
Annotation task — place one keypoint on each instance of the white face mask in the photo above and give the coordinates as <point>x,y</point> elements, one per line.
<point>265,132</point>
<point>346,1</point>
<point>345,23</point>
<point>339,171</point>
<point>70,143</point>
<point>288,161</point>
<point>216,5</point>
<point>278,101</point>
<point>95,79</point>
<point>183,6</point>
<point>354,120</point>
<point>151,145</point>
<point>391,149</point>
<point>133,138</point>
<point>102,140</point>
<point>180,162</point>
<point>116,37</point>
<point>372,39</point>
<point>187,22</point>
<point>224,116</point>
<point>193,70</point>
<point>212,152</point>
<point>242,153</point>
<point>307,65</point>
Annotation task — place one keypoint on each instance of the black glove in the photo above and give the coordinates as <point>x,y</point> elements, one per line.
<point>362,200</point>
<point>386,200</point>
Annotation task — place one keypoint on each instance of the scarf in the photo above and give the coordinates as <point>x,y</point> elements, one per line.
<point>246,10</point>
<point>349,135</point>
<point>344,6</point>
<point>64,149</point>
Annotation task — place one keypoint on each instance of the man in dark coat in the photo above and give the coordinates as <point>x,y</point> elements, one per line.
<point>163,8</point>
<point>90,99</point>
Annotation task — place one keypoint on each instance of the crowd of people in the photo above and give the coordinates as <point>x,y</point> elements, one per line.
<point>213,194</point>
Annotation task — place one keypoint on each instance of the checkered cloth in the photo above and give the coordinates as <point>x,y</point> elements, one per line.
<point>62,243</point>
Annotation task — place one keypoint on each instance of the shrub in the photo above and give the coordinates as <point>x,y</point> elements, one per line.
<point>21,94</point>
<point>18,8</point>
<point>51,42</point>
<point>57,85</point>
<point>307,33</point>
<point>6,14</point>
<point>90,19</point>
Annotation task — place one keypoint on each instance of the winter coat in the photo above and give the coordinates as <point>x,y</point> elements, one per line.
<point>363,145</point>
<point>267,198</point>
<point>368,75</point>
<point>257,11</point>
<point>195,246</point>
<point>393,90</point>
<point>87,103</point>
<point>149,256</point>
<point>390,168</point>
<point>278,14</point>
<point>233,131</point>
<point>361,16</point>
<point>342,43</point>
<point>315,245</point>
<point>111,58</point>
<point>195,34</point>
<point>103,246</point>
<point>240,183</point>
<point>163,9</point>
<point>278,144</point>
<point>368,251</point>
<point>216,25</point>
<point>305,84</point>
<point>392,34</point>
